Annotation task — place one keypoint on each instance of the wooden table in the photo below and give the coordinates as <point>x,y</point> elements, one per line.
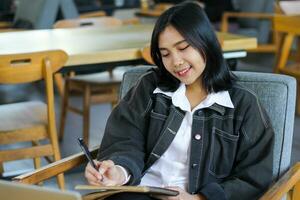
<point>154,12</point>
<point>149,13</point>
<point>98,45</point>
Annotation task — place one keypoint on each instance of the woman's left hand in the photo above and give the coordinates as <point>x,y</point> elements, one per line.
<point>183,195</point>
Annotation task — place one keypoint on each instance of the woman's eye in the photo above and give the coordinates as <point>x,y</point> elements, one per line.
<point>164,55</point>
<point>183,48</point>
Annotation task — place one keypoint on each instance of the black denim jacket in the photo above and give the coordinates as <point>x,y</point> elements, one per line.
<point>232,159</point>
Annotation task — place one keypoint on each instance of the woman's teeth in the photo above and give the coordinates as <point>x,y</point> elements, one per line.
<point>183,72</point>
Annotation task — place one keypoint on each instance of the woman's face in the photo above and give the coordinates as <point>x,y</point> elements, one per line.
<point>179,58</point>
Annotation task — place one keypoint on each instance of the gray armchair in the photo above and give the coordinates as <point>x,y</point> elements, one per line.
<point>276,92</point>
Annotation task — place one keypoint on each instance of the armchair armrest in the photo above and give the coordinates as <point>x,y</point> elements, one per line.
<point>290,181</point>
<point>54,168</point>
<point>227,15</point>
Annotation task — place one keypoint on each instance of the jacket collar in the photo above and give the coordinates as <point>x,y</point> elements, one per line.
<point>215,101</point>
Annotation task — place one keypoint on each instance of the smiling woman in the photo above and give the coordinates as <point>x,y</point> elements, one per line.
<point>183,62</point>
<point>189,126</point>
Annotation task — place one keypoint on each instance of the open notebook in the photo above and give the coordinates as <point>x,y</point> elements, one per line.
<point>18,191</point>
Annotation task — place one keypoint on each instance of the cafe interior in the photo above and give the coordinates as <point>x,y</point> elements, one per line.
<point>82,56</point>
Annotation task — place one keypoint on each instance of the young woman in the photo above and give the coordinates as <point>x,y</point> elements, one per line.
<point>187,125</point>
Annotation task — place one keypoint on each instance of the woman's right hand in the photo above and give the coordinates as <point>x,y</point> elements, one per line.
<point>108,174</point>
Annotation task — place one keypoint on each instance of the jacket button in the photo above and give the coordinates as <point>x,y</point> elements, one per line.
<point>198,137</point>
<point>194,165</point>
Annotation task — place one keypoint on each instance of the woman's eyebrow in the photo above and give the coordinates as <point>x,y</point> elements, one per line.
<point>179,42</point>
<point>174,45</point>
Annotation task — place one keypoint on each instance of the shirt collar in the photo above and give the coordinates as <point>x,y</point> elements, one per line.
<point>180,100</point>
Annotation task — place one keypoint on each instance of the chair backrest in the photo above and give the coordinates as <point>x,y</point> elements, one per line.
<point>88,22</point>
<point>277,94</point>
<point>147,55</point>
<point>289,27</point>
<point>29,67</point>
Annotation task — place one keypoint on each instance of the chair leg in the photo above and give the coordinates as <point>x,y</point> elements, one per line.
<point>64,109</point>
<point>55,148</point>
<point>296,192</point>
<point>59,81</point>
<point>114,104</point>
<point>115,91</point>
<point>60,177</point>
<point>61,181</point>
<point>86,113</point>
<point>298,50</point>
<point>1,168</point>
<point>298,99</point>
<point>37,164</point>
<point>56,156</point>
<point>36,160</point>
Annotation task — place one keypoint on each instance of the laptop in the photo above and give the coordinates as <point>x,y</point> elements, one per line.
<point>18,191</point>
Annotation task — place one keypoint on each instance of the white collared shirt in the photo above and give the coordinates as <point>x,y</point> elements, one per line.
<point>172,168</point>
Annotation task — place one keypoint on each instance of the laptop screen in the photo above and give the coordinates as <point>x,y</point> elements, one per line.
<point>18,191</point>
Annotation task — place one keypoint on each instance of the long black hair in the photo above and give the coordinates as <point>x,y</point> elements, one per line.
<point>189,19</point>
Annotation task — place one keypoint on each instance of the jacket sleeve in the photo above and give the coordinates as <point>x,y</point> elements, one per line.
<point>124,137</point>
<point>253,168</point>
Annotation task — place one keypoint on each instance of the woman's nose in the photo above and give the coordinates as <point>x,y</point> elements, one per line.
<point>177,61</point>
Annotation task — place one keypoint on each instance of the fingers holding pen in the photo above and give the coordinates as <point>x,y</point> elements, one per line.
<point>92,175</point>
<point>105,166</point>
<point>106,173</point>
<point>107,170</point>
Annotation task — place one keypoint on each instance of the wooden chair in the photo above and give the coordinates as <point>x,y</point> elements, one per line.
<point>267,87</point>
<point>30,121</point>
<point>146,54</point>
<point>254,19</point>
<point>288,28</point>
<point>288,184</point>
<point>94,88</point>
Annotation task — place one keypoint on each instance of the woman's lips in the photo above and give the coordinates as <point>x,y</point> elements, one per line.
<point>183,72</point>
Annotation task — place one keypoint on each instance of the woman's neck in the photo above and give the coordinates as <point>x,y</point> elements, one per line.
<point>195,93</point>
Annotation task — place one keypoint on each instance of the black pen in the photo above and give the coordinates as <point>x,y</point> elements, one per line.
<point>86,152</point>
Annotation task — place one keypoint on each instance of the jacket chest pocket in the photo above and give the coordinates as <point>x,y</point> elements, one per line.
<point>156,123</point>
<point>158,116</point>
<point>222,153</point>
